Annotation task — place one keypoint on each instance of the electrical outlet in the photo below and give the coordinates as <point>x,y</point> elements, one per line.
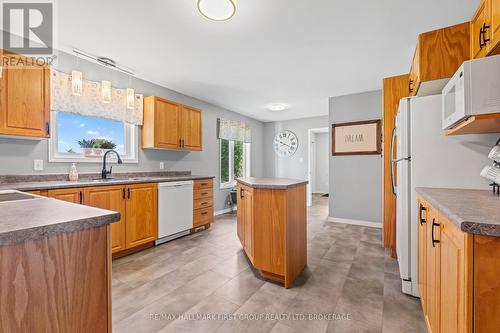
<point>162,165</point>
<point>38,165</point>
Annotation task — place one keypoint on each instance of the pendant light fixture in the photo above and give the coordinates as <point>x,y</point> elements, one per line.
<point>76,83</point>
<point>130,98</point>
<point>106,91</point>
<point>217,10</point>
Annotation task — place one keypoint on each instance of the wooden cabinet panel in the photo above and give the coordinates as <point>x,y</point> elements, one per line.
<point>110,198</point>
<point>452,277</point>
<point>141,210</point>
<point>191,130</point>
<point>495,26</point>
<point>433,251</point>
<point>166,126</point>
<point>481,19</point>
<point>41,193</point>
<point>202,216</point>
<point>422,253</point>
<point>203,193</point>
<point>74,195</point>
<point>394,88</point>
<point>247,202</point>
<point>240,216</point>
<point>438,55</point>
<point>24,99</point>
<point>203,183</point>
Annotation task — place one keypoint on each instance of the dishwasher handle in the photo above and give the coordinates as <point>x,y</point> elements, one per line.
<point>176,184</point>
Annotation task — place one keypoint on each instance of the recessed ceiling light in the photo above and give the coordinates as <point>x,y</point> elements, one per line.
<point>217,10</point>
<point>277,107</point>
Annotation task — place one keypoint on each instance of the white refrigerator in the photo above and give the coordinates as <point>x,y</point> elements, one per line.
<point>425,157</point>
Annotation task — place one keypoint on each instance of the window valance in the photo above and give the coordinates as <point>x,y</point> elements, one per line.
<point>233,130</point>
<point>90,102</point>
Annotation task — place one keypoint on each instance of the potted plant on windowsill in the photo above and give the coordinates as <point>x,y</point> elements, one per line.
<point>87,146</point>
<point>101,146</point>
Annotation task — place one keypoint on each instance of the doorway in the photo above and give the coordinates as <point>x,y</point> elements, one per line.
<point>318,163</point>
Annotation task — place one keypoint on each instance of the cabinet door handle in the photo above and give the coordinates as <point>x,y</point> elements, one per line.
<point>410,84</point>
<point>81,197</point>
<point>434,224</point>
<point>123,194</point>
<point>48,128</point>
<point>422,209</point>
<point>241,193</point>
<point>128,193</point>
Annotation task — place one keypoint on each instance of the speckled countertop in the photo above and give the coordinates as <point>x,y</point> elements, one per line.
<point>40,217</point>
<point>473,211</point>
<point>47,182</point>
<point>272,183</point>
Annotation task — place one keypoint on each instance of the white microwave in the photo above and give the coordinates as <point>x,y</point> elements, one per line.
<point>473,90</point>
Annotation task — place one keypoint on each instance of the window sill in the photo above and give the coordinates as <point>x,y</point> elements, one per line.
<point>227,186</point>
<point>89,160</point>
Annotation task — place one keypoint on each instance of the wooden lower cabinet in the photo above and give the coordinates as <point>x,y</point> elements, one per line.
<point>111,198</point>
<point>137,205</point>
<point>74,195</point>
<point>141,214</point>
<point>459,275</point>
<point>203,202</point>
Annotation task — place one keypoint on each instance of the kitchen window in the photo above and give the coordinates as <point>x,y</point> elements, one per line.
<point>234,162</point>
<point>77,138</point>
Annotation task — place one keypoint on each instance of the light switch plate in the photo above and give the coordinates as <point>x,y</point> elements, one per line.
<point>38,165</point>
<point>162,165</point>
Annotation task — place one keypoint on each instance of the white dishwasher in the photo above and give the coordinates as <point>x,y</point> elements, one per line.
<point>175,210</point>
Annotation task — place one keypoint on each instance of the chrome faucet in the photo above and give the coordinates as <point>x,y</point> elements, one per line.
<point>105,172</point>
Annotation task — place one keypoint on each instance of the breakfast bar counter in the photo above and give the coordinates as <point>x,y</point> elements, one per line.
<point>272,226</point>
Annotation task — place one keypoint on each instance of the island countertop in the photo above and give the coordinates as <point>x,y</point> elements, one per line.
<point>271,183</point>
<point>41,217</point>
<point>473,211</point>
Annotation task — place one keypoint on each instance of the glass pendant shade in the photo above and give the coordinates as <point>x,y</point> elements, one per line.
<point>217,10</point>
<point>76,83</point>
<point>106,91</point>
<point>130,98</point>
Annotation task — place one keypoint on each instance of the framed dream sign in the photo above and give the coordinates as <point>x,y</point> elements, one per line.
<point>357,138</point>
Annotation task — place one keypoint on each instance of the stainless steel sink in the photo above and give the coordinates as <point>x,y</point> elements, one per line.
<point>6,196</point>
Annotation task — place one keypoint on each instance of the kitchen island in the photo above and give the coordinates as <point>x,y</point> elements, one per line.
<point>272,226</point>
<point>55,264</point>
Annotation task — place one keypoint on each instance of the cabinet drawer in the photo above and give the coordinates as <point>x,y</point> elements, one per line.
<point>203,203</point>
<point>203,216</point>
<point>203,183</point>
<point>203,193</point>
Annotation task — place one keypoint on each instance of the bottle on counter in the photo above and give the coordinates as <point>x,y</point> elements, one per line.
<point>73,173</point>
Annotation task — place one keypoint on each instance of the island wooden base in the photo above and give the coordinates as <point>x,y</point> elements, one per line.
<point>57,284</point>
<point>272,227</point>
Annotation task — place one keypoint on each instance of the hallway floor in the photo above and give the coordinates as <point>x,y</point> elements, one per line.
<point>206,276</point>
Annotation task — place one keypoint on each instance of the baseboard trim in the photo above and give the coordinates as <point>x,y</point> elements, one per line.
<point>354,222</point>
<point>224,211</point>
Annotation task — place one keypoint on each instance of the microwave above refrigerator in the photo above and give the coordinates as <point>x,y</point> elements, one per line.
<point>473,90</point>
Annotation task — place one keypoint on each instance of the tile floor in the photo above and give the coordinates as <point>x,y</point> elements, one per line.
<point>205,276</point>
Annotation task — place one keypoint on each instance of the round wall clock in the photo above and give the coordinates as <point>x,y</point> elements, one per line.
<point>285,144</point>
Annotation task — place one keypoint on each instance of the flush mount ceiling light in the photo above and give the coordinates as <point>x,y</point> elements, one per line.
<point>275,107</point>
<point>217,10</point>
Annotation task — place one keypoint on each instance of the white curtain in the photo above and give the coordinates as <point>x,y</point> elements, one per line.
<point>90,102</point>
<point>233,130</point>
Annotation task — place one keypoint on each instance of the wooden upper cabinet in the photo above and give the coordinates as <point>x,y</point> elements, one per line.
<point>110,198</point>
<point>191,128</point>
<point>142,217</point>
<point>437,57</point>
<point>171,125</point>
<point>24,98</point>
<point>74,195</point>
<point>485,29</point>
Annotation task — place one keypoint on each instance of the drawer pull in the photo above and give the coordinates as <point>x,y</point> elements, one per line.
<point>204,213</point>
<point>204,203</point>
<point>204,193</point>
<point>434,224</point>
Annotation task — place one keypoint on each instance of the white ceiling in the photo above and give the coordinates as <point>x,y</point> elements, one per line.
<point>298,52</point>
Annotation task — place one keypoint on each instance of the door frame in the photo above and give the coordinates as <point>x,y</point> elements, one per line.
<point>311,158</point>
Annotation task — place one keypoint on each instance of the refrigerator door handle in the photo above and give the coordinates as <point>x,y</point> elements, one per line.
<point>393,161</point>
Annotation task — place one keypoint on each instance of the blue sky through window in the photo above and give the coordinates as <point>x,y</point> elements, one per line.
<point>72,128</point>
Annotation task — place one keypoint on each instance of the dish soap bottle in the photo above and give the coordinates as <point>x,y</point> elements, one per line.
<point>73,173</point>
